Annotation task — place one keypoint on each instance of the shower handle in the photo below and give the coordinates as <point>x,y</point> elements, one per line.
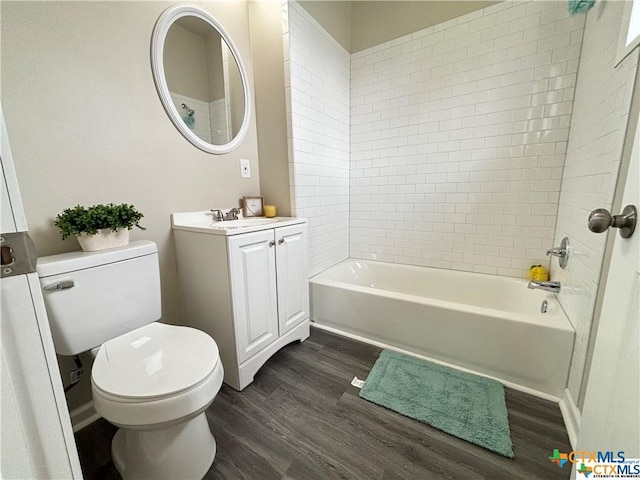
<point>562,252</point>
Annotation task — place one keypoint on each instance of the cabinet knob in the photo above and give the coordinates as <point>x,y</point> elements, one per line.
<point>272,243</point>
<point>281,241</point>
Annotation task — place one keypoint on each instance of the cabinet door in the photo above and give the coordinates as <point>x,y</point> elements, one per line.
<point>293,283</point>
<point>253,286</point>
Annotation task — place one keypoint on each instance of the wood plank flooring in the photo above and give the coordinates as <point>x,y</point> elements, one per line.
<point>301,419</point>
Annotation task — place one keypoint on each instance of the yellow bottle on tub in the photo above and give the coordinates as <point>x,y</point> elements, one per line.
<point>538,273</point>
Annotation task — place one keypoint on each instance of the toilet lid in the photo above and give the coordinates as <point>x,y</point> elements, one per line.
<point>156,360</point>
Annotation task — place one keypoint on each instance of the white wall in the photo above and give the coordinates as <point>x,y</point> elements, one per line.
<point>611,413</point>
<point>86,124</point>
<point>602,101</point>
<point>186,63</point>
<point>458,136</point>
<point>318,107</point>
<point>268,26</point>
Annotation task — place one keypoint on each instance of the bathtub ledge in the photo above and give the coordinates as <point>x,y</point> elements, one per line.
<point>520,388</point>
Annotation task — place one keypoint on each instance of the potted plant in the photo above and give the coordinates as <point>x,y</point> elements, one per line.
<point>99,226</point>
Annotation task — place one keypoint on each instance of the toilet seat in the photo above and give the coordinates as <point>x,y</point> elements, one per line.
<point>154,361</point>
<point>156,374</point>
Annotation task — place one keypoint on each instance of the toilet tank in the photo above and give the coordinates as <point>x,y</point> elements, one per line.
<point>92,297</point>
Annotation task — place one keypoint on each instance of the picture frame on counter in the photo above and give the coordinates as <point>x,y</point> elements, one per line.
<point>252,206</point>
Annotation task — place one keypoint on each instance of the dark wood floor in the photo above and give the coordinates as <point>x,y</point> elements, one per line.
<point>301,419</point>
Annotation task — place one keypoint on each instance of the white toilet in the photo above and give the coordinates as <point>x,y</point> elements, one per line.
<point>152,380</point>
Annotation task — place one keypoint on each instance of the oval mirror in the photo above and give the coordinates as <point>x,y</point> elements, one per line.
<point>200,79</point>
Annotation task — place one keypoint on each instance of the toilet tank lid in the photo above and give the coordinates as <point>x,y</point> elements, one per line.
<point>72,261</point>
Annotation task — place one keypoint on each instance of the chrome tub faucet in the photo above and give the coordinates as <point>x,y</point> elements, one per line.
<point>547,286</point>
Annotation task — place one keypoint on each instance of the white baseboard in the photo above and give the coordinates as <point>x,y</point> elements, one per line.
<point>83,415</point>
<point>571,416</point>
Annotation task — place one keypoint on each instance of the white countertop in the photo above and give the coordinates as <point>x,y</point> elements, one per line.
<point>204,222</point>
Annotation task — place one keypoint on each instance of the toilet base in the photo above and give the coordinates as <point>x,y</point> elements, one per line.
<point>184,451</point>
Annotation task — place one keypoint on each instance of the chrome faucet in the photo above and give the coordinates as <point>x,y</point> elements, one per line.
<point>218,214</point>
<point>232,214</point>
<point>547,286</point>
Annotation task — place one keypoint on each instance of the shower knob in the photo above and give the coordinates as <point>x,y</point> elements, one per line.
<point>600,220</point>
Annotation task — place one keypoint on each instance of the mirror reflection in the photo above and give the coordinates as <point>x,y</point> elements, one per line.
<point>204,80</point>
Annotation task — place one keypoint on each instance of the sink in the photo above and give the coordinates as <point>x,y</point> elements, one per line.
<point>244,222</point>
<point>203,222</point>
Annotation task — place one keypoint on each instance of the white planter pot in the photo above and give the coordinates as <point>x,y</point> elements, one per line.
<point>105,238</point>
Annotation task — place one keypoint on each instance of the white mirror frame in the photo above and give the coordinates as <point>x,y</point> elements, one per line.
<point>160,30</point>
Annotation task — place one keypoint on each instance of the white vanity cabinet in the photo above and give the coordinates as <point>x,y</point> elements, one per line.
<point>247,287</point>
<point>268,285</point>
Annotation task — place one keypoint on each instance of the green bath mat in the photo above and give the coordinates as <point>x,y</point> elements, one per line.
<point>465,405</point>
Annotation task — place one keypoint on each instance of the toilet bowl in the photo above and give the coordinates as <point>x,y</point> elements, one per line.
<point>152,380</point>
<point>155,384</point>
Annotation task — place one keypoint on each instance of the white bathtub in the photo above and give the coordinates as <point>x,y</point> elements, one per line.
<point>482,323</point>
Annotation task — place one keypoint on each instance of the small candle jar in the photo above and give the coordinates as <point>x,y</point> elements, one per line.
<point>269,211</point>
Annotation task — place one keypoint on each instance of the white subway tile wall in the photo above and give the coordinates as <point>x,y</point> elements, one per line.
<point>227,122</point>
<point>319,138</point>
<point>219,125</point>
<point>458,138</point>
<point>202,124</point>
<point>600,114</point>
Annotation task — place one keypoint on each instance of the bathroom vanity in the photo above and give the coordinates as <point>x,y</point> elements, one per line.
<point>245,283</point>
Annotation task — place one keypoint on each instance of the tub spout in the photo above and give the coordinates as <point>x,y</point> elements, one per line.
<point>548,286</point>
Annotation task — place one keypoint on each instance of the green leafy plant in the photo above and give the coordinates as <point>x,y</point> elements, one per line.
<point>88,220</point>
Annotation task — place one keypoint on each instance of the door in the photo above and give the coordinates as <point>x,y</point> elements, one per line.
<point>293,285</point>
<point>611,413</point>
<point>37,438</point>
<point>253,286</point>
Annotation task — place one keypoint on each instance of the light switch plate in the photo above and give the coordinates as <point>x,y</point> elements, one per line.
<point>245,168</point>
